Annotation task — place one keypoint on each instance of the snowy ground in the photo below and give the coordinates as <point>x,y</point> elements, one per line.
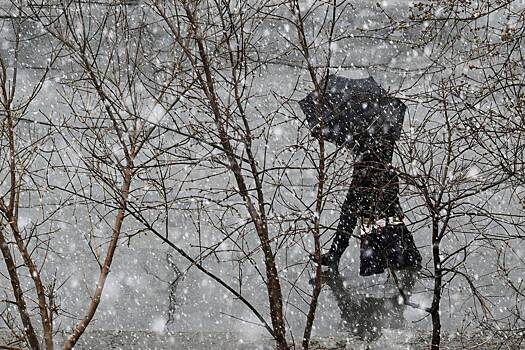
<point>389,340</point>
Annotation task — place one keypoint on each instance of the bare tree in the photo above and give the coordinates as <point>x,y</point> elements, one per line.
<point>24,245</point>
<point>458,160</point>
<point>107,93</point>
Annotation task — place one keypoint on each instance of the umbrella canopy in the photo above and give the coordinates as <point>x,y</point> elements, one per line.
<point>355,113</point>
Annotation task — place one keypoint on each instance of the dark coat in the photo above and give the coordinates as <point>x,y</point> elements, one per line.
<point>374,195</point>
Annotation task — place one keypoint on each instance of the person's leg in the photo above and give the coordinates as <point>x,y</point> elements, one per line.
<point>347,223</point>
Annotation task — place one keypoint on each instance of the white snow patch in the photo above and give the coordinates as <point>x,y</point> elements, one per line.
<point>473,172</point>
<point>24,221</point>
<point>157,114</point>
<point>250,331</point>
<point>394,339</point>
<point>158,325</point>
<point>413,314</point>
<point>112,289</point>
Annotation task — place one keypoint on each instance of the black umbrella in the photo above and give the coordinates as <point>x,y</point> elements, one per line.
<point>356,113</point>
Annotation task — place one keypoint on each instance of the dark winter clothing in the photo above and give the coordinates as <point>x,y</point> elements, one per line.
<point>360,115</point>
<point>374,195</point>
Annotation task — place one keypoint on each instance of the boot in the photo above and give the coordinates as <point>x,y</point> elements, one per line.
<point>338,247</point>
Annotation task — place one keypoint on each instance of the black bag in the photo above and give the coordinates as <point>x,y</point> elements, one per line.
<point>389,246</point>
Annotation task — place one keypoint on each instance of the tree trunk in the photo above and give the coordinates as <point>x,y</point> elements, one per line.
<point>29,331</point>
<point>436,300</point>
<point>81,326</point>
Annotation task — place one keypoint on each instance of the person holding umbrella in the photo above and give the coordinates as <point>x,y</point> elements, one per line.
<point>358,114</point>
